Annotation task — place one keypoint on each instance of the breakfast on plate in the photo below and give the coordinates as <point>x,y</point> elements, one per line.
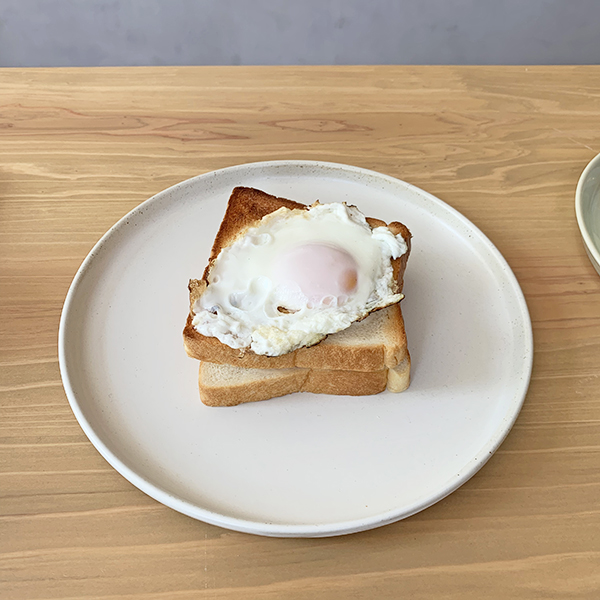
<point>299,298</point>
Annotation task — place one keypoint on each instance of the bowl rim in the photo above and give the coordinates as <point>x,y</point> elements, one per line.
<point>583,228</point>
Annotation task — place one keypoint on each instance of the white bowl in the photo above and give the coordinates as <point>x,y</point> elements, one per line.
<point>587,209</point>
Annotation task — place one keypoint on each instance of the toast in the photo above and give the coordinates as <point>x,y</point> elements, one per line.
<point>227,385</point>
<point>374,344</point>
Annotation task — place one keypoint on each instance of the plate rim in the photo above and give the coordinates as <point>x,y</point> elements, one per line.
<point>589,244</point>
<point>288,530</point>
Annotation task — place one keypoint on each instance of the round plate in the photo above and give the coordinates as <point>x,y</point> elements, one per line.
<point>301,465</point>
<point>587,210</point>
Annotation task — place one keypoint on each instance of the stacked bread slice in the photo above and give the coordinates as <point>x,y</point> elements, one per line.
<point>367,358</point>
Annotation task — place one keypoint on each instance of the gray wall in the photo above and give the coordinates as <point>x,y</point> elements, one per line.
<point>202,32</point>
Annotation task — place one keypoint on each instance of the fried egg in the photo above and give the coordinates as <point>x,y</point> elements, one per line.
<point>296,277</point>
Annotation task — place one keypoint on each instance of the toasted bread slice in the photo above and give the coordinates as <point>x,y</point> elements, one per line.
<point>227,385</point>
<point>376,343</point>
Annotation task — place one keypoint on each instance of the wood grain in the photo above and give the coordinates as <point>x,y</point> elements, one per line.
<point>79,148</point>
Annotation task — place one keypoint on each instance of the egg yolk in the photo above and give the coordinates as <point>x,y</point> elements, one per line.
<point>325,274</point>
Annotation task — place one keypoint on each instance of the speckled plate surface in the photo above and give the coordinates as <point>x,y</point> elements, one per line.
<point>301,465</point>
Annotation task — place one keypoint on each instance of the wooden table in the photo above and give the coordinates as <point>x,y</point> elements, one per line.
<point>505,146</point>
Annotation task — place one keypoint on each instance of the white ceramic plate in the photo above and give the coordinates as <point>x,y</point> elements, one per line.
<point>301,465</point>
<point>587,210</point>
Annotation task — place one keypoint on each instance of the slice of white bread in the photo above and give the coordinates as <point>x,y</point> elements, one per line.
<point>227,385</point>
<point>376,343</point>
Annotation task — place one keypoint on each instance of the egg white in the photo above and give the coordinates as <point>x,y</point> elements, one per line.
<point>241,303</point>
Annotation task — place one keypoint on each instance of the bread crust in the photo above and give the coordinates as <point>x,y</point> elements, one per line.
<point>245,208</point>
<point>287,381</point>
